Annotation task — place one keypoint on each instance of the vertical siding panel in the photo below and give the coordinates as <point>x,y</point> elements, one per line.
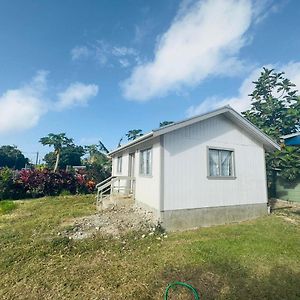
<point>185,167</point>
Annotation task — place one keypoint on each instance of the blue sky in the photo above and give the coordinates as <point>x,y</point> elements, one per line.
<point>96,69</point>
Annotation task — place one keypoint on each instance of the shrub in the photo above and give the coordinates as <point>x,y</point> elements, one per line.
<point>42,182</point>
<point>10,187</point>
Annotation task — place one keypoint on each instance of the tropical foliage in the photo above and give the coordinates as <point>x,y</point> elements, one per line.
<point>42,182</point>
<point>98,165</point>
<point>133,134</point>
<point>12,157</point>
<point>275,109</point>
<point>70,155</point>
<point>57,141</point>
<point>165,123</point>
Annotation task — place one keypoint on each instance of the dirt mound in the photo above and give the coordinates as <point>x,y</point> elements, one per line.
<point>116,222</point>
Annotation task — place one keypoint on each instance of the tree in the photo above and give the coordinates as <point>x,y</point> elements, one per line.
<point>275,109</point>
<point>12,157</point>
<point>58,141</point>
<point>98,164</point>
<point>165,123</point>
<point>133,134</point>
<point>70,155</point>
<point>120,142</point>
<point>95,151</point>
<point>275,106</point>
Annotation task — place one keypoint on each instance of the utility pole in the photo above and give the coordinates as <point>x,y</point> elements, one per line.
<point>37,159</point>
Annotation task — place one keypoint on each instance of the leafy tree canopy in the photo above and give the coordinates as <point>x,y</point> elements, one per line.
<point>97,163</point>
<point>275,106</point>
<point>165,123</point>
<point>12,157</point>
<point>275,109</point>
<point>70,155</point>
<point>58,141</point>
<point>133,134</point>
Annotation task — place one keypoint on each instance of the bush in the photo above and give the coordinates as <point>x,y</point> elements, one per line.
<point>10,187</point>
<point>42,182</point>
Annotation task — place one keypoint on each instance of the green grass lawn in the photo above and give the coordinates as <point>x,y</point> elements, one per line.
<point>253,260</point>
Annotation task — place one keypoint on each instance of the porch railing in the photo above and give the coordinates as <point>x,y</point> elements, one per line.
<point>115,185</point>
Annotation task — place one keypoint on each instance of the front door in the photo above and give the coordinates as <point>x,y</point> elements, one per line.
<point>131,171</point>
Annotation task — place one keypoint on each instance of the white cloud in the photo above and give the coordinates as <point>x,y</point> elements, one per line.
<point>21,108</point>
<point>124,51</point>
<point>292,72</point>
<point>124,62</point>
<point>203,40</point>
<point>242,101</point>
<point>77,94</point>
<point>102,52</point>
<point>80,52</point>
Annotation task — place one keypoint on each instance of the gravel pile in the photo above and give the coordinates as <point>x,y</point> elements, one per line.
<point>116,222</point>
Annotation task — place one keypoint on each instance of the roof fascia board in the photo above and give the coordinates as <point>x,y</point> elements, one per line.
<point>137,141</point>
<point>188,122</point>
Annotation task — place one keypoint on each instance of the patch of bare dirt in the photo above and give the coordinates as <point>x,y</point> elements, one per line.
<point>289,211</point>
<point>115,222</point>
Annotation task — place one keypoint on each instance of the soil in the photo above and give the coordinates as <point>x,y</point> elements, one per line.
<point>289,211</point>
<point>114,222</point>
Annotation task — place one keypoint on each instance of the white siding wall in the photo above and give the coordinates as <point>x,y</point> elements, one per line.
<point>185,167</point>
<point>147,188</point>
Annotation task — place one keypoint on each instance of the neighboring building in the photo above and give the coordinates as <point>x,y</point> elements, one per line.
<point>289,191</point>
<point>291,139</point>
<point>206,170</point>
<point>286,190</point>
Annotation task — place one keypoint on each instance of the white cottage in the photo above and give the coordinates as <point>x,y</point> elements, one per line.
<point>206,170</point>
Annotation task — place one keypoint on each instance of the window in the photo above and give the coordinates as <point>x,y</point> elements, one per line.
<point>220,163</point>
<point>119,164</point>
<point>146,162</point>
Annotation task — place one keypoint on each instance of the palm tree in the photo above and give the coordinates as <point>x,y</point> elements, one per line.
<point>58,141</point>
<point>133,134</point>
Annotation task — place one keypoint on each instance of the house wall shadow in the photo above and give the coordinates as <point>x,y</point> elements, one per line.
<point>228,280</point>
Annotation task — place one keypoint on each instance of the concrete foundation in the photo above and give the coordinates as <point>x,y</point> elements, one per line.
<point>183,219</point>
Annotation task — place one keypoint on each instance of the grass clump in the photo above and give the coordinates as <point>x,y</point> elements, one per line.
<point>7,206</point>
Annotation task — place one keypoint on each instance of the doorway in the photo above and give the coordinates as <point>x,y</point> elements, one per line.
<point>131,168</point>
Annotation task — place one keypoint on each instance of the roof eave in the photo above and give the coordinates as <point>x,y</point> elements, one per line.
<point>131,144</point>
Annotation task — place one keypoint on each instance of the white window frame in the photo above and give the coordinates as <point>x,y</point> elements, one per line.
<point>119,164</point>
<point>233,175</point>
<point>144,170</point>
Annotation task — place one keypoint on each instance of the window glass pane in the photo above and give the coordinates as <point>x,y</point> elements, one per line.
<point>145,162</point>
<point>119,164</point>
<point>213,162</point>
<point>220,162</point>
<point>226,163</point>
<point>149,164</point>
